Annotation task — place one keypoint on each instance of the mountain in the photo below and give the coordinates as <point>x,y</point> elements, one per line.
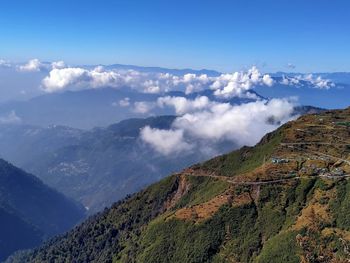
<point>176,72</point>
<point>336,77</point>
<point>284,200</point>
<point>332,98</point>
<point>79,109</point>
<point>31,212</point>
<point>90,108</point>
<point>83,164</point>
<point>95,167</point>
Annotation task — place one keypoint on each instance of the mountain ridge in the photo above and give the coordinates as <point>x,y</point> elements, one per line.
<point>283,200</point>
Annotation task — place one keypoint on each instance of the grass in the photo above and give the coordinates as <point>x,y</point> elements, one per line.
<point>346,124</point>
<point>247,158</point>
<point>202,190</point>
<point>280,248</point>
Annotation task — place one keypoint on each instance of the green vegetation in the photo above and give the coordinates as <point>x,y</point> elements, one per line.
<point>346,124</point>
<point>246,159</point>
<point>110,235</point>
<point>280,248</point>
<point>297,199</point>
<point>301,220</point>
<point>182,241</point>
<point>340,206</point>
<point>202,190</point>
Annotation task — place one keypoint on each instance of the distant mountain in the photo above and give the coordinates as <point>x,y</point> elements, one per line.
<point>333,98</point>
<point>95,167</point>
<point>336,77</point>
<point>211,73</point>
<point>86,109</point>
<point>284,200</point>
<point>30,211</point>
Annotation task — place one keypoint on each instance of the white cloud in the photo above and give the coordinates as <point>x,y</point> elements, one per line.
<point>59,79</point>
<point>183,105</point>
<point>165,141</point>
<point>225,85</point>
<point>143,107</point>
<point>124,102</point>
<point>33,65</point>
<point>11,118</point>
<point>310,79</point>
<point>5,64</point>
<point>58,64</point>
<point>219,122</point>
<point>238,83</point>
<point>267,80</point>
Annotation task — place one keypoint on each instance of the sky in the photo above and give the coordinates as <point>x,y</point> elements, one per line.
<point>275,35</point>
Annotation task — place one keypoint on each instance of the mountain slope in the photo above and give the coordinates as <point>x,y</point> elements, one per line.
<point>30,211</point>
<point>284,200</point>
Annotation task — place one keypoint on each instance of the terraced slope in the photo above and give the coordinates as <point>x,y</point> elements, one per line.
<point>285,200</point>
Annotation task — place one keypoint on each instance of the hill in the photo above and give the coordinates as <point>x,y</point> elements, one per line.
<point>31,212</point>
<point>284,200</point>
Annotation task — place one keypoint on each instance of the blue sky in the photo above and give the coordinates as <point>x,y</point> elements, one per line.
<point>314,35</point>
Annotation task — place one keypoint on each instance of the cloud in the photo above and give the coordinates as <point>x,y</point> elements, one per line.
<point>238,83</point>
<point>217,123</point>
<point>165,142</point>
<point>228,85</point>
<point>183,105</point>
<point>58,64</point>
<point>143,107</point>
<point>80,78</point>
<point>5,64</point>
<point>33,65</point>
<point>11,118</point>
<point>225,85</point>
<point>124,102</point>
<point>59,79</point>
<point>310,79</point>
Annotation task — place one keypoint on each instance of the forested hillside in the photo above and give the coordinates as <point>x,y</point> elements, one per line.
<point>284,200</point>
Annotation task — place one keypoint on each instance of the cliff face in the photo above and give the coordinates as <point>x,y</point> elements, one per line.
<point>285,200</point>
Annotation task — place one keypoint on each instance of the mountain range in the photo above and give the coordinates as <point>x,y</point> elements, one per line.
<point>86,109</point>
<point>284,200</point>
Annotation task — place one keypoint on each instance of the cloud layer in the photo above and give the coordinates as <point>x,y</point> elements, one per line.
<point>61,77</point>
<point>226,85</point>
<point>213,123</point>
<point>165,141</point>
